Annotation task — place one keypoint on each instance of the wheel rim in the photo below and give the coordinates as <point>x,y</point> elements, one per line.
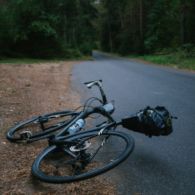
<point>38,126</point>
<point>110,155</point>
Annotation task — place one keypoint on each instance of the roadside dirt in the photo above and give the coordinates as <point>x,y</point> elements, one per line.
<point>27,90</point>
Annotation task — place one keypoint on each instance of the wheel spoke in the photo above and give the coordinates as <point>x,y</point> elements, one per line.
<point>39,126</point>
<point>104,153</point>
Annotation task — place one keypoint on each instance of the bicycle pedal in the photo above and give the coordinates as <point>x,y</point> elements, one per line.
<point>77,148</point>
<point>25,134</point>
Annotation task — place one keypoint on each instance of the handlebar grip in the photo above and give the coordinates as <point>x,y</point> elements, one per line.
<point>89,84</point>
<point>98,83</point>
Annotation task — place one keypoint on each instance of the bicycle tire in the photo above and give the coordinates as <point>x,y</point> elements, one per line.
<point>52,122</point>
<point>48,170</point>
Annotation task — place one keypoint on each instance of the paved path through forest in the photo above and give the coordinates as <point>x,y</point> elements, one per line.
<point>160,165</point>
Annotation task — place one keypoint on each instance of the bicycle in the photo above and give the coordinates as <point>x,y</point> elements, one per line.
<point>44,126</point>
<point>74,154</point>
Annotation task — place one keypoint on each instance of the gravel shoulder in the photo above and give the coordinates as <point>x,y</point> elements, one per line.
<point>27,90</point>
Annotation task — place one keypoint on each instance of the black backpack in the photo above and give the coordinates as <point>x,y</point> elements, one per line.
<point>150,121</point>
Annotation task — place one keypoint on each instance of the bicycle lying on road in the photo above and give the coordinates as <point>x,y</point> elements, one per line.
<point>75,153</point>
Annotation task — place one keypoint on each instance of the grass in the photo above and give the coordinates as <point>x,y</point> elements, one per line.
<point>176,60</point>
<point>173,60</point>
<point>22,60</point>
<point>36,60</point>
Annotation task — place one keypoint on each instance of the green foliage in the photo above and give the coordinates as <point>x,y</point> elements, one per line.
<point>5,32</point>
<point>187,50</point>
<point>50,28</point>
<point>179,58</point>
<point>163,25</point>
<point>46,28</point>
<point>43,27</point>
<point>138,26</point>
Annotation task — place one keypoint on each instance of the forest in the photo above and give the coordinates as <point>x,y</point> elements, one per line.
<point>72,28</point>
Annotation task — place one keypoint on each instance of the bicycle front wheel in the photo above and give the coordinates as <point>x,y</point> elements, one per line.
<point>39,126</point>
<point>82,156</point>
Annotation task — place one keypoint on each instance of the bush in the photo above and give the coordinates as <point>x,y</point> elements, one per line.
<point>187,50</point>
<point>86,48</point>
<point>71,53</point>
<point>45,29</point>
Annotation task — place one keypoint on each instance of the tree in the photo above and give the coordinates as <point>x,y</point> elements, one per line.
<point>49,28</point>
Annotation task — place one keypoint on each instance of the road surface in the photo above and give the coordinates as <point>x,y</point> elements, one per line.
<point>158,165</point>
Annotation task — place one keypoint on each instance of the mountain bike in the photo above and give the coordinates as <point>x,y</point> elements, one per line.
<point>44,126</point>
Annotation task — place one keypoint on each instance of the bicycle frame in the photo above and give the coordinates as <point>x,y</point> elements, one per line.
<point>84,115</point>
<point>106,109</point>
<point>60,139</point>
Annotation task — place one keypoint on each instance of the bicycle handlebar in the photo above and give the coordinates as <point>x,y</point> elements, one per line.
<point>97,83</point>
<point>89,84</point>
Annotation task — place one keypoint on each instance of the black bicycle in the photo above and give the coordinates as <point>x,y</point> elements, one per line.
<point>74,154</point>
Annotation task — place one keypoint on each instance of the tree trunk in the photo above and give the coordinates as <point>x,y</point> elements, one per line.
<point>183,23</point>
<point>141,26</point>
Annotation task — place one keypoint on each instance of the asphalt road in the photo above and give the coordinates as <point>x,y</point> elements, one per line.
<point>158,165</point>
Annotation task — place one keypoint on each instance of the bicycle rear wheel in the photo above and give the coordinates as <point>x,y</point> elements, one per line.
<point>39,126</point>
<point>82,156</point>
